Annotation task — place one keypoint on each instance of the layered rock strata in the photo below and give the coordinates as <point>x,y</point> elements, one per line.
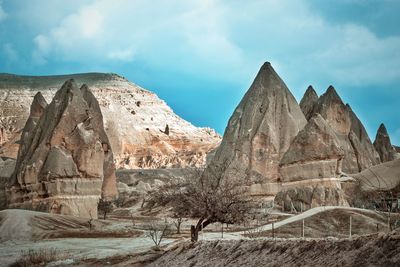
<point>65,163</point>
<point>259,132</point>
<point>314,153</point>
<point>309,168</point>
<point>135,120</point>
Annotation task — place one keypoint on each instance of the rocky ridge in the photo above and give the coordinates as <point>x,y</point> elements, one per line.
<point>65,163</point>
<point>143,130</point>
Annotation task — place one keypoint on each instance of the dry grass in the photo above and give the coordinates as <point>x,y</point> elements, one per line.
<point>334,223</point>
<point>39,257</point>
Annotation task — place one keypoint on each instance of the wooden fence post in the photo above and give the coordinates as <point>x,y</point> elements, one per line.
<point>350,228</point>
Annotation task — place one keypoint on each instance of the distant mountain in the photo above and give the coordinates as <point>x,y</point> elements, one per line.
<point>143,130</point>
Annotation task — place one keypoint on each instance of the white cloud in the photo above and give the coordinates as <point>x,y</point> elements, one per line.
<point>223,39</point>
<point>122,54</point>
<point>10,52</point>
<point>3,14</point>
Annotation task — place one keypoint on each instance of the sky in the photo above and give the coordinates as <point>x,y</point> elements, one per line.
<point>201,56</point>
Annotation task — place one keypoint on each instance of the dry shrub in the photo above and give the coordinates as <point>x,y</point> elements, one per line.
<point>40,257</point>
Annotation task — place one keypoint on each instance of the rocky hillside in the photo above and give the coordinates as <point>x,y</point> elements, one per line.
<point>374,250</point>
<point>143,130</point>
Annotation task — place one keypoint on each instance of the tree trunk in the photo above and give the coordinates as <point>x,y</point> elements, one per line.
<point>105,215</point>
<point>178,226</point>
<point>194,230</point>
<point>194,235</point>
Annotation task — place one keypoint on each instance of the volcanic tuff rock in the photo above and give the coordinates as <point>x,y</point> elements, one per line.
<point>308,101</point>
<point>302,198</point>
<point>7,167</point>
<point>65,163</point>
<point>383,145</point>
<point>260,130</point>
<point>382,177</point>
<point>135,120</point>
<point>353,138</point>
<point>314,153</point>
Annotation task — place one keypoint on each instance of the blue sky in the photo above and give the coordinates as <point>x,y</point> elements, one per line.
<point>201,56</point>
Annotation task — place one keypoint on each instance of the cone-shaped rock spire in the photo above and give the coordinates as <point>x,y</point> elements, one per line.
<point>308,101</point>
<point>359,151</point>
<point>66,157</point>
<point>259,131</point>
<point>383,145</point>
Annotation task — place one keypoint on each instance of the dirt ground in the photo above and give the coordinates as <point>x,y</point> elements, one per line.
<point>333,223</point>
<point>372,250</point>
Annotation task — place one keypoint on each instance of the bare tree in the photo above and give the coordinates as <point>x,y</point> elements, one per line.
<point>157,231</point>
<point>178,222</point>
<point>209,199</point>
<point>90,221</point>
<point>105,207</point>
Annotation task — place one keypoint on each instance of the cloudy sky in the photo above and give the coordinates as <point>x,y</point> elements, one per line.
<point>201,56</point>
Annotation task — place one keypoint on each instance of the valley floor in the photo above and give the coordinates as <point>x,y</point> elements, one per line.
<point>118,242</point>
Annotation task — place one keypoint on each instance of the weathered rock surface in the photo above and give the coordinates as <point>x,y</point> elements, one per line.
<point>65,163</point>
<point>134,185</point>
<point>305,197</point>
<point>314,153</point>
<point>260,130</point>
<point>383,145</point>
<point>308,101</point>
<point>359,151</point>
<point>135,120</point>
<point>7,167</point>
<point>382,177</point>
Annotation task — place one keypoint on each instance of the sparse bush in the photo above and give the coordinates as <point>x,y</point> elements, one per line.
<point>209,198</point>
<point>157,231</point>
<point>105,207</point>
<point>39,257</point>
<point>178,222</point>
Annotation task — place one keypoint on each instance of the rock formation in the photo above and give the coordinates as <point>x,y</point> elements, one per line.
<point>302,198</point>
<point>65,163</point>
<point>314,153</point>
<point>308,101</point>
<point>135,120</point>
<point>383,145</point>
<point>359,152</point>
<point>260,131</point>
<point>7,167</point>
<point>382,177</point>
<point>313,159</point>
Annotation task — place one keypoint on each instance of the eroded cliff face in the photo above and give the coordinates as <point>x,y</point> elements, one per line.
<point>359,153</point>
<point>260,131</point>
<point>142,129</point>
<point>65,163</point>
